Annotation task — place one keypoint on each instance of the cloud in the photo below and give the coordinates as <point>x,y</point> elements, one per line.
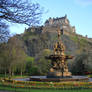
<point>84,2</point>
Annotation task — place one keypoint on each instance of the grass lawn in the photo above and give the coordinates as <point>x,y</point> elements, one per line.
<point>45,90</point>
<point>15,76</point>
<point>7,88</point>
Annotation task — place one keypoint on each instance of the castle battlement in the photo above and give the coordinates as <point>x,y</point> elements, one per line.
<point>57,21</point>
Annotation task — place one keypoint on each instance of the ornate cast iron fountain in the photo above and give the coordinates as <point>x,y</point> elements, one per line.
<point>58,59</point>
<point>59,69</point>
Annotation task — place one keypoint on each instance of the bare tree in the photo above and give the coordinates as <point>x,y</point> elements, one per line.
<point>17,11</point>
<point>4,32</point>
<point>20,11</point>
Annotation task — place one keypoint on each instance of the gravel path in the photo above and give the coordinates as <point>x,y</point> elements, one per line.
<point>90,79</point>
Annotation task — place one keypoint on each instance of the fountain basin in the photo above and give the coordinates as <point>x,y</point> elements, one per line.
<point>64,79</point>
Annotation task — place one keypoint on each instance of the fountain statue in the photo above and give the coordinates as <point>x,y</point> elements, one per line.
<point>58,59</point>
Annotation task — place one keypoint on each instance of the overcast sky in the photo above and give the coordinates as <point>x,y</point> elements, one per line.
<point>79,13</point>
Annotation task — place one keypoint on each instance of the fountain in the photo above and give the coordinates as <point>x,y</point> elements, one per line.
<point>59,69</point>
<point>58,59</point>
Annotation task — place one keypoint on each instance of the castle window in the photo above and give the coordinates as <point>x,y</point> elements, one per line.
<point>62,31</point>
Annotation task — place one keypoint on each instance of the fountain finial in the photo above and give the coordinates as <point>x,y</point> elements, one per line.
<point>59,33</point>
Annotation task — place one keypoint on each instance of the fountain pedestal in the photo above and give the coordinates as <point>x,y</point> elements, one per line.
<point>58,74</point>
<point>59,67</point>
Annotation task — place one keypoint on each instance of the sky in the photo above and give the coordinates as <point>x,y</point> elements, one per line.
<point>79,13</point>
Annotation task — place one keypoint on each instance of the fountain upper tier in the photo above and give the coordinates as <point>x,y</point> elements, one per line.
<point>59,57</point>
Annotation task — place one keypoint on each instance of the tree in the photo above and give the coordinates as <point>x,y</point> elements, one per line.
<point>16,56</point>
<point>4,64</point>
<point>21,61</point>
<point>12,56</point>
<point>17,11</point>
<point>42,63</point>
<point>4,32</point>
<point>30,66</point>
<point>82,64</point>
<point>20,11</point>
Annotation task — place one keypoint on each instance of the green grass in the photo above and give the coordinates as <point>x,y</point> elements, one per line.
<point>43,90</point>
<point>15,76</point>
<point>90,75</point>
<point>3,76</point>
<point>19,76</point>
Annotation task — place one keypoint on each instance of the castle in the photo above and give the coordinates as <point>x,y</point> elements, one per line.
<point>61,22</point>
<point>52,24</point>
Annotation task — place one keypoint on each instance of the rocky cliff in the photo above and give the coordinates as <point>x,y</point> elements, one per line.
<point>36,40</point>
